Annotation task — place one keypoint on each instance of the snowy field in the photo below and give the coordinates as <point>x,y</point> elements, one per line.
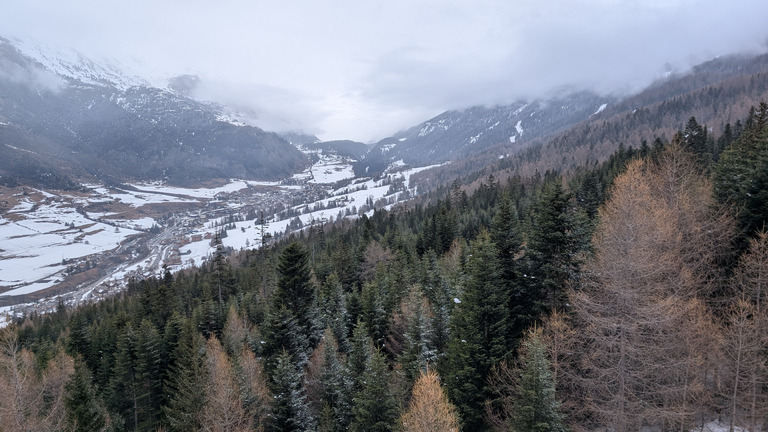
<point>40,238</point>
<point>35,247</point>
<point>201,193</point>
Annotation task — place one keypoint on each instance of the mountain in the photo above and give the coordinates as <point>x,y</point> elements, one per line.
<point>716,93</point>
<point>459,134</point>
<point>66,117</point>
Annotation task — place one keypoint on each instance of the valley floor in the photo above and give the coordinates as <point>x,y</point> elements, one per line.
<point>83,246</point>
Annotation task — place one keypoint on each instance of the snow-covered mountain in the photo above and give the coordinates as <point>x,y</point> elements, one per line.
<point>64,116</point>
<point>458,134</point>
<point>76,67</point>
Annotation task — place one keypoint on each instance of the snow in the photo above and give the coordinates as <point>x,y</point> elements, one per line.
<point>234,185</point>
<point>33,248</point>
<point>512,139</point>
<point>601,109</point>
<point>75,66</point>
<point>327,173</point>
<point>135,198</point>
<point>44,234</point>
<point>396,164</point>
<point>388,147</point>
<point>519,127</point>
<point>717,427</point>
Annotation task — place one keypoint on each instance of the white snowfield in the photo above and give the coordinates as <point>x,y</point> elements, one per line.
<point>41,238</point>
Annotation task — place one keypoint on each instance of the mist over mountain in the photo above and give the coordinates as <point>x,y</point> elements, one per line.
<point>64,117</point>
<point>59,123</point>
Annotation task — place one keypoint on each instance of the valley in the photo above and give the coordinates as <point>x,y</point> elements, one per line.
<point>83,246</point>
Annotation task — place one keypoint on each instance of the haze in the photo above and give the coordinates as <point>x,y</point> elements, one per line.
<point>363,70</point>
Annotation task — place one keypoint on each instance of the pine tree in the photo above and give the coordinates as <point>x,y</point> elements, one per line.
<point>551,252</point>
<point>418,350</point>
<point>150,368</point>
<point>695,139</point>
<point>360,352</point>
<point>741,175</point>
<point>124,388</point>
<point>331,386</point>
<point>333,310</point>
<point>282,332</point>
<point>505,234</point>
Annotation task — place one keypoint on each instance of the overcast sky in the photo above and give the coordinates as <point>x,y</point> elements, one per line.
<point>358,69</point>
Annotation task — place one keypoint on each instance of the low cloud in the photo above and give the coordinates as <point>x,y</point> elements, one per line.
<point>363,70</point>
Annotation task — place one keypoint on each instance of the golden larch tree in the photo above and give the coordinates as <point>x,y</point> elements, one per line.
<point>430,410</point>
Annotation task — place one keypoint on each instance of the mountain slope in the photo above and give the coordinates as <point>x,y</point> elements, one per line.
<point>717,92</point>
<point>455,135</point>
<point>54,127</point>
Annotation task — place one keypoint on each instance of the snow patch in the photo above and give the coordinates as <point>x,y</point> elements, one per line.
<point>601,109</point>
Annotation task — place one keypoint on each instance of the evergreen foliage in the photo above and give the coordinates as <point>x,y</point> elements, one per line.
<point>741,174</point>
<point>536,408</point>
<point>290,409</point>
<point>479,332</point>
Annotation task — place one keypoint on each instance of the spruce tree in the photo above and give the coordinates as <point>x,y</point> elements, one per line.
<point>185,386</point>
<point>480,333</point>
<point>552,245</point>
<point>296,291</point>
<point>290,408</point>
<point>741,175</point>
<point>375,407</point>
<point>336,387</point>
<point>282,332</point>
<point>333,310</point>
<point>85,410</point>
<point>536,409</point>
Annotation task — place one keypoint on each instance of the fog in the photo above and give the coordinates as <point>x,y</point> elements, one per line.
<point>363,70</point>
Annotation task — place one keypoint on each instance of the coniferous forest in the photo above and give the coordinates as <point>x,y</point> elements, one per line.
<point>627,296</point>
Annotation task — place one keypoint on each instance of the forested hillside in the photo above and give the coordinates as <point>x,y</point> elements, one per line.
<point>716,93</point>
<point>621,295</point>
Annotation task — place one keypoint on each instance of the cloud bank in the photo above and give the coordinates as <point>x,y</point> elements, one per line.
<point>363,70</point>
